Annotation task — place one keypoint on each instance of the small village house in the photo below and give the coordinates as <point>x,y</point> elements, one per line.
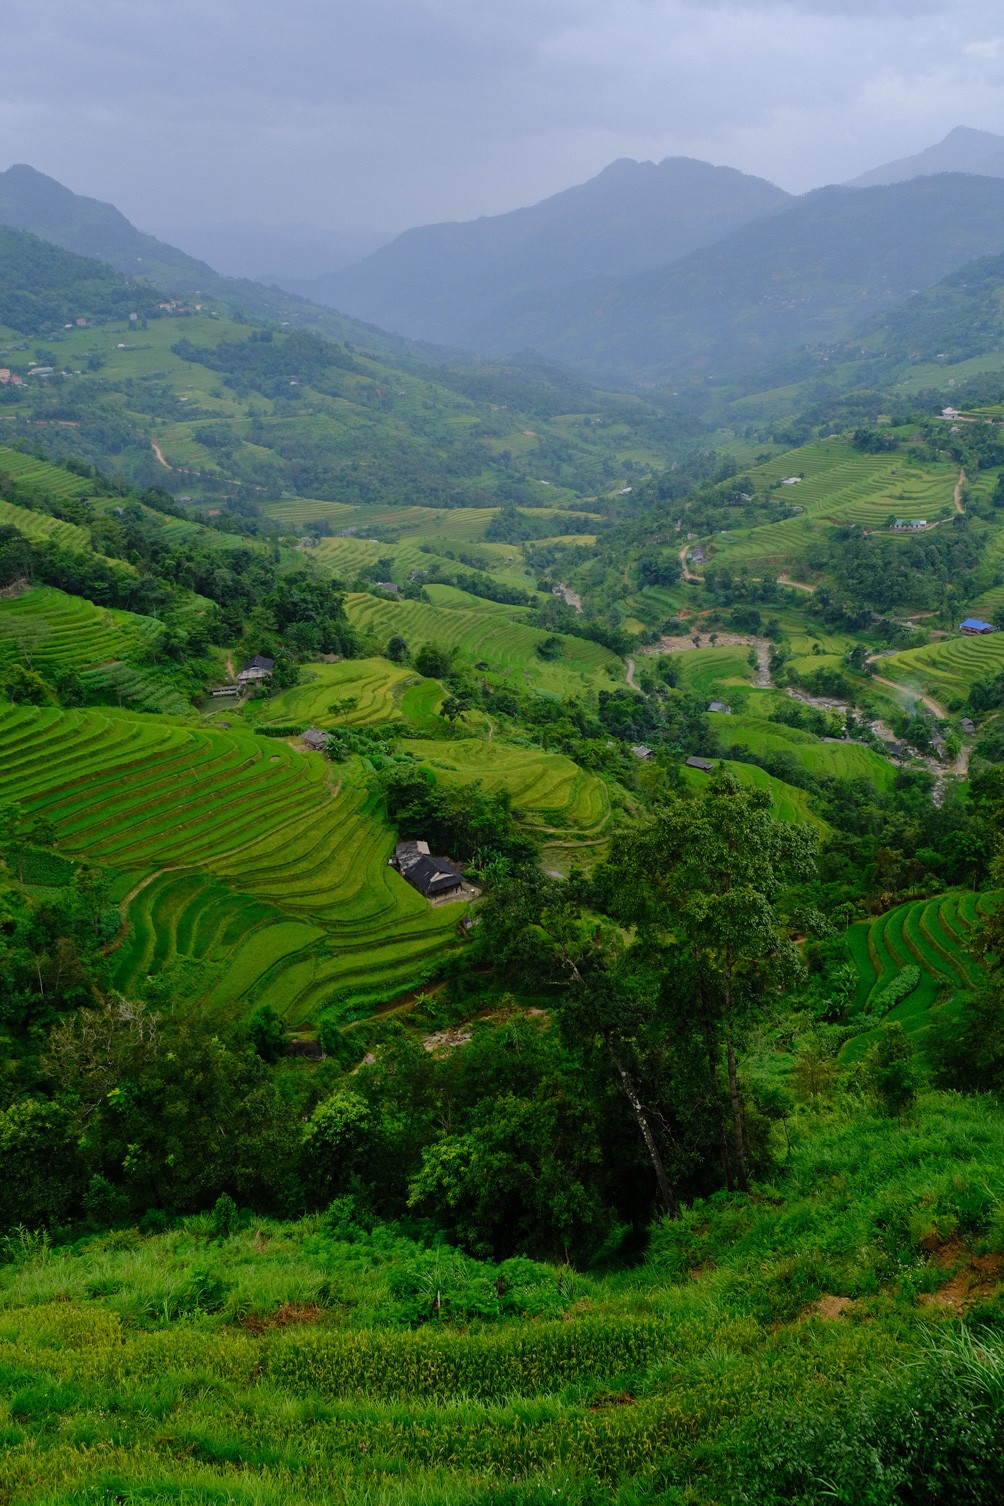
<point>433,877</point>
<point>976,626</point>
<point>258,668</point>
<point>706,765</point>
<point>315,738</point>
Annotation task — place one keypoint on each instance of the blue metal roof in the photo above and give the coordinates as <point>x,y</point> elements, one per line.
<point>977,622</point>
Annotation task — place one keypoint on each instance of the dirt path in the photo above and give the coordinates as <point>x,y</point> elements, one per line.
<point>569,597</point>
<point>925,700</point>
<point>688,574</point>
<point>796,585</point>
<point>630,674</point>
<point>957,495</point>
<point>155,447</point>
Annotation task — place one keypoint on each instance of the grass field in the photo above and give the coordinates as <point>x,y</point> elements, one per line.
<point>284,1365</point>
<point>832,760</point>
<point>928,934</point>
<point>231,852</point>
<point>509,648</point>
<point>788,802</point>
<point>948,669</point>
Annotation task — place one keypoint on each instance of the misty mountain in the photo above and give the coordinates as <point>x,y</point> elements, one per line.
<point>278,255</point>
<point>33,202</point>
<point>801,276</point>
<point>471,284</point>
<point>962,151</point>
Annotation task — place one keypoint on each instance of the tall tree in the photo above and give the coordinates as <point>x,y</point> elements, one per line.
<point>707,876</point>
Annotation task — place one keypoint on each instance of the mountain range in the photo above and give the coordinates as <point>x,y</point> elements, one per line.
<point>648,275</point>
<point>470,284</point>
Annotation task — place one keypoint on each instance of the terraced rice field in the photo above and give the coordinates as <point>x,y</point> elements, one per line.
<point>67,632</point>
<point>50,480</point>
<point>552,791</point>
<point>706,670</point>
<point>228,851</point>
<point>774,546</point>
<point>928,934</point>
<point>51,631</point>
<point>347,557</point>
<point>455,524</point>
<point>377,687</point>
<point>840,486</point>
<point>507,647</point>
<point>41,528</point>
<point>946,670</point>
<point>827,760</point>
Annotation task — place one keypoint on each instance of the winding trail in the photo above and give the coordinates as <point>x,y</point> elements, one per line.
<point>957,495</point>
<point>925,700</point>
<point>630,674</point>
<point>688,574</point>
<point>796,585</point>
<point>155,447</point>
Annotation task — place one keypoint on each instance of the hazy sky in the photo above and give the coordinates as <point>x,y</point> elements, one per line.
<point>378,114</point>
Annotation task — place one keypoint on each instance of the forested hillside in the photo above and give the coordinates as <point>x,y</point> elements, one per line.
<point>500,929</point>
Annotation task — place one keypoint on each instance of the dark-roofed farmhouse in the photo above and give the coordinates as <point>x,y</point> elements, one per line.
<point>432,876</point>
<point>258,668</point>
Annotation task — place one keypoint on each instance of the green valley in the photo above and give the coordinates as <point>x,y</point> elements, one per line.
<point>500,933</point>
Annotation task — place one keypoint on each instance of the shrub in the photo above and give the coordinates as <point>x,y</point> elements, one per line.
<point>896,991</point>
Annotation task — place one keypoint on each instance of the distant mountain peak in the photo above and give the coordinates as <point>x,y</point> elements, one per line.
<point>963,150</point>
<point>467,283</point>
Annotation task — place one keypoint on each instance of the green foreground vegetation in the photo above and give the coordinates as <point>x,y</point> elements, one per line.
<point>658,1158</point>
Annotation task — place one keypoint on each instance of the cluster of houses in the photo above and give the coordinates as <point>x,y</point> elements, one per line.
<point>10,378</point>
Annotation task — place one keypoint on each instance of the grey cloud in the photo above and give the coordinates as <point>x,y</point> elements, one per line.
<point>385,112</point>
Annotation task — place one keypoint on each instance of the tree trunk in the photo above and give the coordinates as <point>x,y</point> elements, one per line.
<point>637,1108</point>
<point>737,1118</point>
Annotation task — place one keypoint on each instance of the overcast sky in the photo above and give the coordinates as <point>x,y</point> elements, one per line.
<point>378,114</point>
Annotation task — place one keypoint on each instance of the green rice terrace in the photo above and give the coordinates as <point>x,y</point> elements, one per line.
<point>930,936</point>
<point>238,854</point>
<point>837,760</point>
<point>507,647</point>
<point>946,670</point>
<point>352,693</point>
<point>49,480</point>
<point>552,793</point>
<point>109,649</point>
